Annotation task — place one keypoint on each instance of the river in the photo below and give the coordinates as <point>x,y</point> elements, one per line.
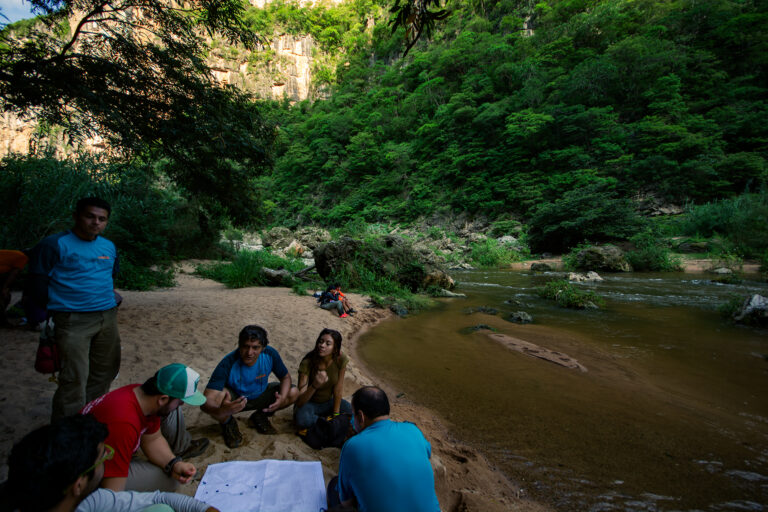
<point>671,414</point>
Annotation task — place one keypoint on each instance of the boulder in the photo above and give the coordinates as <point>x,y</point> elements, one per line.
<point>508,241</point>
<point>540,267</point>
<point>589,277</point>
<point>519,317</point>
<point>332,257</point>
<point>313,237</point>
<point>722,271</point>
<point>605,257</point>
<point>278,237</point>
<point>439,279</point>
<point>276,277</point>
<point>398,309</point>
<point>295,249</point>
<point>753,311</point>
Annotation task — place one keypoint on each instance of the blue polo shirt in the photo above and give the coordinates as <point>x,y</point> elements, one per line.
<point>247,381</point>
<point>80,272</point>
<point>386,467</point>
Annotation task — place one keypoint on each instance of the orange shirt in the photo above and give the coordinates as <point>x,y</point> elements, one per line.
<point>10,260</point>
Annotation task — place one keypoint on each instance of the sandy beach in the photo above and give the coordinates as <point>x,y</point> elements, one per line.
<point>196,323</point>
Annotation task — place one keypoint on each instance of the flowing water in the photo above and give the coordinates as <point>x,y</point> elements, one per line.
<point>672,413</point>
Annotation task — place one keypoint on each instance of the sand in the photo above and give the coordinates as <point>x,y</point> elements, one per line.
<point>196,323</point>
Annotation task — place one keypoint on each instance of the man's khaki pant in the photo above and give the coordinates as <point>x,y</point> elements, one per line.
<point>143,476</point>
<point>89,346</point>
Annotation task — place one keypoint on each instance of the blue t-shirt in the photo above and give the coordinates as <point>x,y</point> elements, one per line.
<point>247,381</point>
<point>386,467</point>
<point>80,272</point>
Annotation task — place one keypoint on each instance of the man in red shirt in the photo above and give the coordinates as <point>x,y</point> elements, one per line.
<point>133,414</point>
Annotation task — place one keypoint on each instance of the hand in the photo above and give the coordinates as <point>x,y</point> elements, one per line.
<point>321,378</point>
<point>277,403</point>
<point>233,406</point>
<point>183,471</point>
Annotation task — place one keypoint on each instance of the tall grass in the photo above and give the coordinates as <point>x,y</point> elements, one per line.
<point>569,296</point>
<point>490,253</point>
<point>245,268</point>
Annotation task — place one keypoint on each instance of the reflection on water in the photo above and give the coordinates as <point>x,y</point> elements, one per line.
<point>672,414</point>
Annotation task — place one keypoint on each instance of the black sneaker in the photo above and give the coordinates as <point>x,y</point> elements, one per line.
<point>196,447</point>
<point>231,434</point>
<point>260,421</point>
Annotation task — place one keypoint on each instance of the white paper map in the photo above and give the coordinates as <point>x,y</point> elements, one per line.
<point>263,486</point>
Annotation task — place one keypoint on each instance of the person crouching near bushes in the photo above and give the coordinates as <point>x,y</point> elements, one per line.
<point>321,380</point>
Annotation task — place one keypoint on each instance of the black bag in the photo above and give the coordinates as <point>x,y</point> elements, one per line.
<point>325,433</point>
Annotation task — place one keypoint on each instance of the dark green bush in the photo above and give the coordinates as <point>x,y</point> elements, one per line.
<point>652,254</point>
<point>569,296</point>
<point>490,253</point>
<point>589,214</point>
<point>149,224</point>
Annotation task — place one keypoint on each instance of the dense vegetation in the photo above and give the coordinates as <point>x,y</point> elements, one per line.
<point>603,102</point>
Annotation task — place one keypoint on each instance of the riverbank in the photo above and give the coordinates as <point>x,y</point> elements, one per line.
<point>197,323</point>
<point>691,266</point>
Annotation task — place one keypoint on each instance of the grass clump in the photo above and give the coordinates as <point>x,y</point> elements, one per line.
<point>651,255</point>
<point>245,268</point>
<point>569,296</point>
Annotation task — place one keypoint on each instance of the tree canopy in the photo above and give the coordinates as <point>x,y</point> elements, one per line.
<point>134,72</point>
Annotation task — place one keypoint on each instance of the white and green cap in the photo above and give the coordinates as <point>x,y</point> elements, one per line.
<point>179,381</point>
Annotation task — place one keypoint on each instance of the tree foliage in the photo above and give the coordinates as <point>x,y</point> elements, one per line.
<point>133,72</point>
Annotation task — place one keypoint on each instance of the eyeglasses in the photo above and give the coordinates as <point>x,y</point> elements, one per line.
<point>109,452</point>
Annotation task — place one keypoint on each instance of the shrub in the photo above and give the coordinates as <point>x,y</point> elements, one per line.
<point>592,214</point>
<point>652,255</point>
<point>568,296</point>
<point>742,220</point>
<point>490,253</point>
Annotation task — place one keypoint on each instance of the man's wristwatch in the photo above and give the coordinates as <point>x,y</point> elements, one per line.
<point>168,469</point>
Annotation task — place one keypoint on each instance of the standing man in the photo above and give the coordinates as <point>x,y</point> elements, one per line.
<point>72,275</point>
<point>386,465</point>
<point>240,382</point>
<point>134,415</point>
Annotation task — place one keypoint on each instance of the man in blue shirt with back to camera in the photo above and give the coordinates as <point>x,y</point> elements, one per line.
<point>240,382</point>
<point>71,273</point>
<point>386,466</point>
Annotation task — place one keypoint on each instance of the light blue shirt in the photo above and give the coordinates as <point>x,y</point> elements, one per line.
<point>79,272</point>
<point>386,467</point>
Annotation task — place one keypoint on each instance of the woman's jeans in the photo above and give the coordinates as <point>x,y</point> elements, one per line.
<point>306,415</point>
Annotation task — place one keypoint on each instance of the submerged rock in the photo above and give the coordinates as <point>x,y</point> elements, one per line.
<point>589,277</point>
<point>445,293</point>
<point>519,317</point>
<point>475,328</point>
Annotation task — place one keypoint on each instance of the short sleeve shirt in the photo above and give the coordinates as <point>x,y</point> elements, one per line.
<point>325,392</point>
<point>80,272</point>
<point>121,412</point>
<point>386,467</point>
<point>247,381</point>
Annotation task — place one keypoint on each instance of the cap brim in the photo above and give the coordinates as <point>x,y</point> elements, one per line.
<point>197,399</point>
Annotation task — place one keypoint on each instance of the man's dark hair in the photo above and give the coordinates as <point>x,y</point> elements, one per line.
<point>253,332</point>
<point>98,202</point>
<point>48,460</point>
<point>150,388</point>
<point>372,401</point>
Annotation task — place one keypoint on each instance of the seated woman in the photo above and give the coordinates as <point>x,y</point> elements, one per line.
<point>321,378</point>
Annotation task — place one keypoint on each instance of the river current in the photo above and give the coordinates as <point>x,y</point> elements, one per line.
<point>671,414</point>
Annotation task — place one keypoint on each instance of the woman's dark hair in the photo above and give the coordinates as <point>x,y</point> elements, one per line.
<point>253,332</point>
<point>314,356</point>
<point>48,460</point>
<point>372,401</point>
